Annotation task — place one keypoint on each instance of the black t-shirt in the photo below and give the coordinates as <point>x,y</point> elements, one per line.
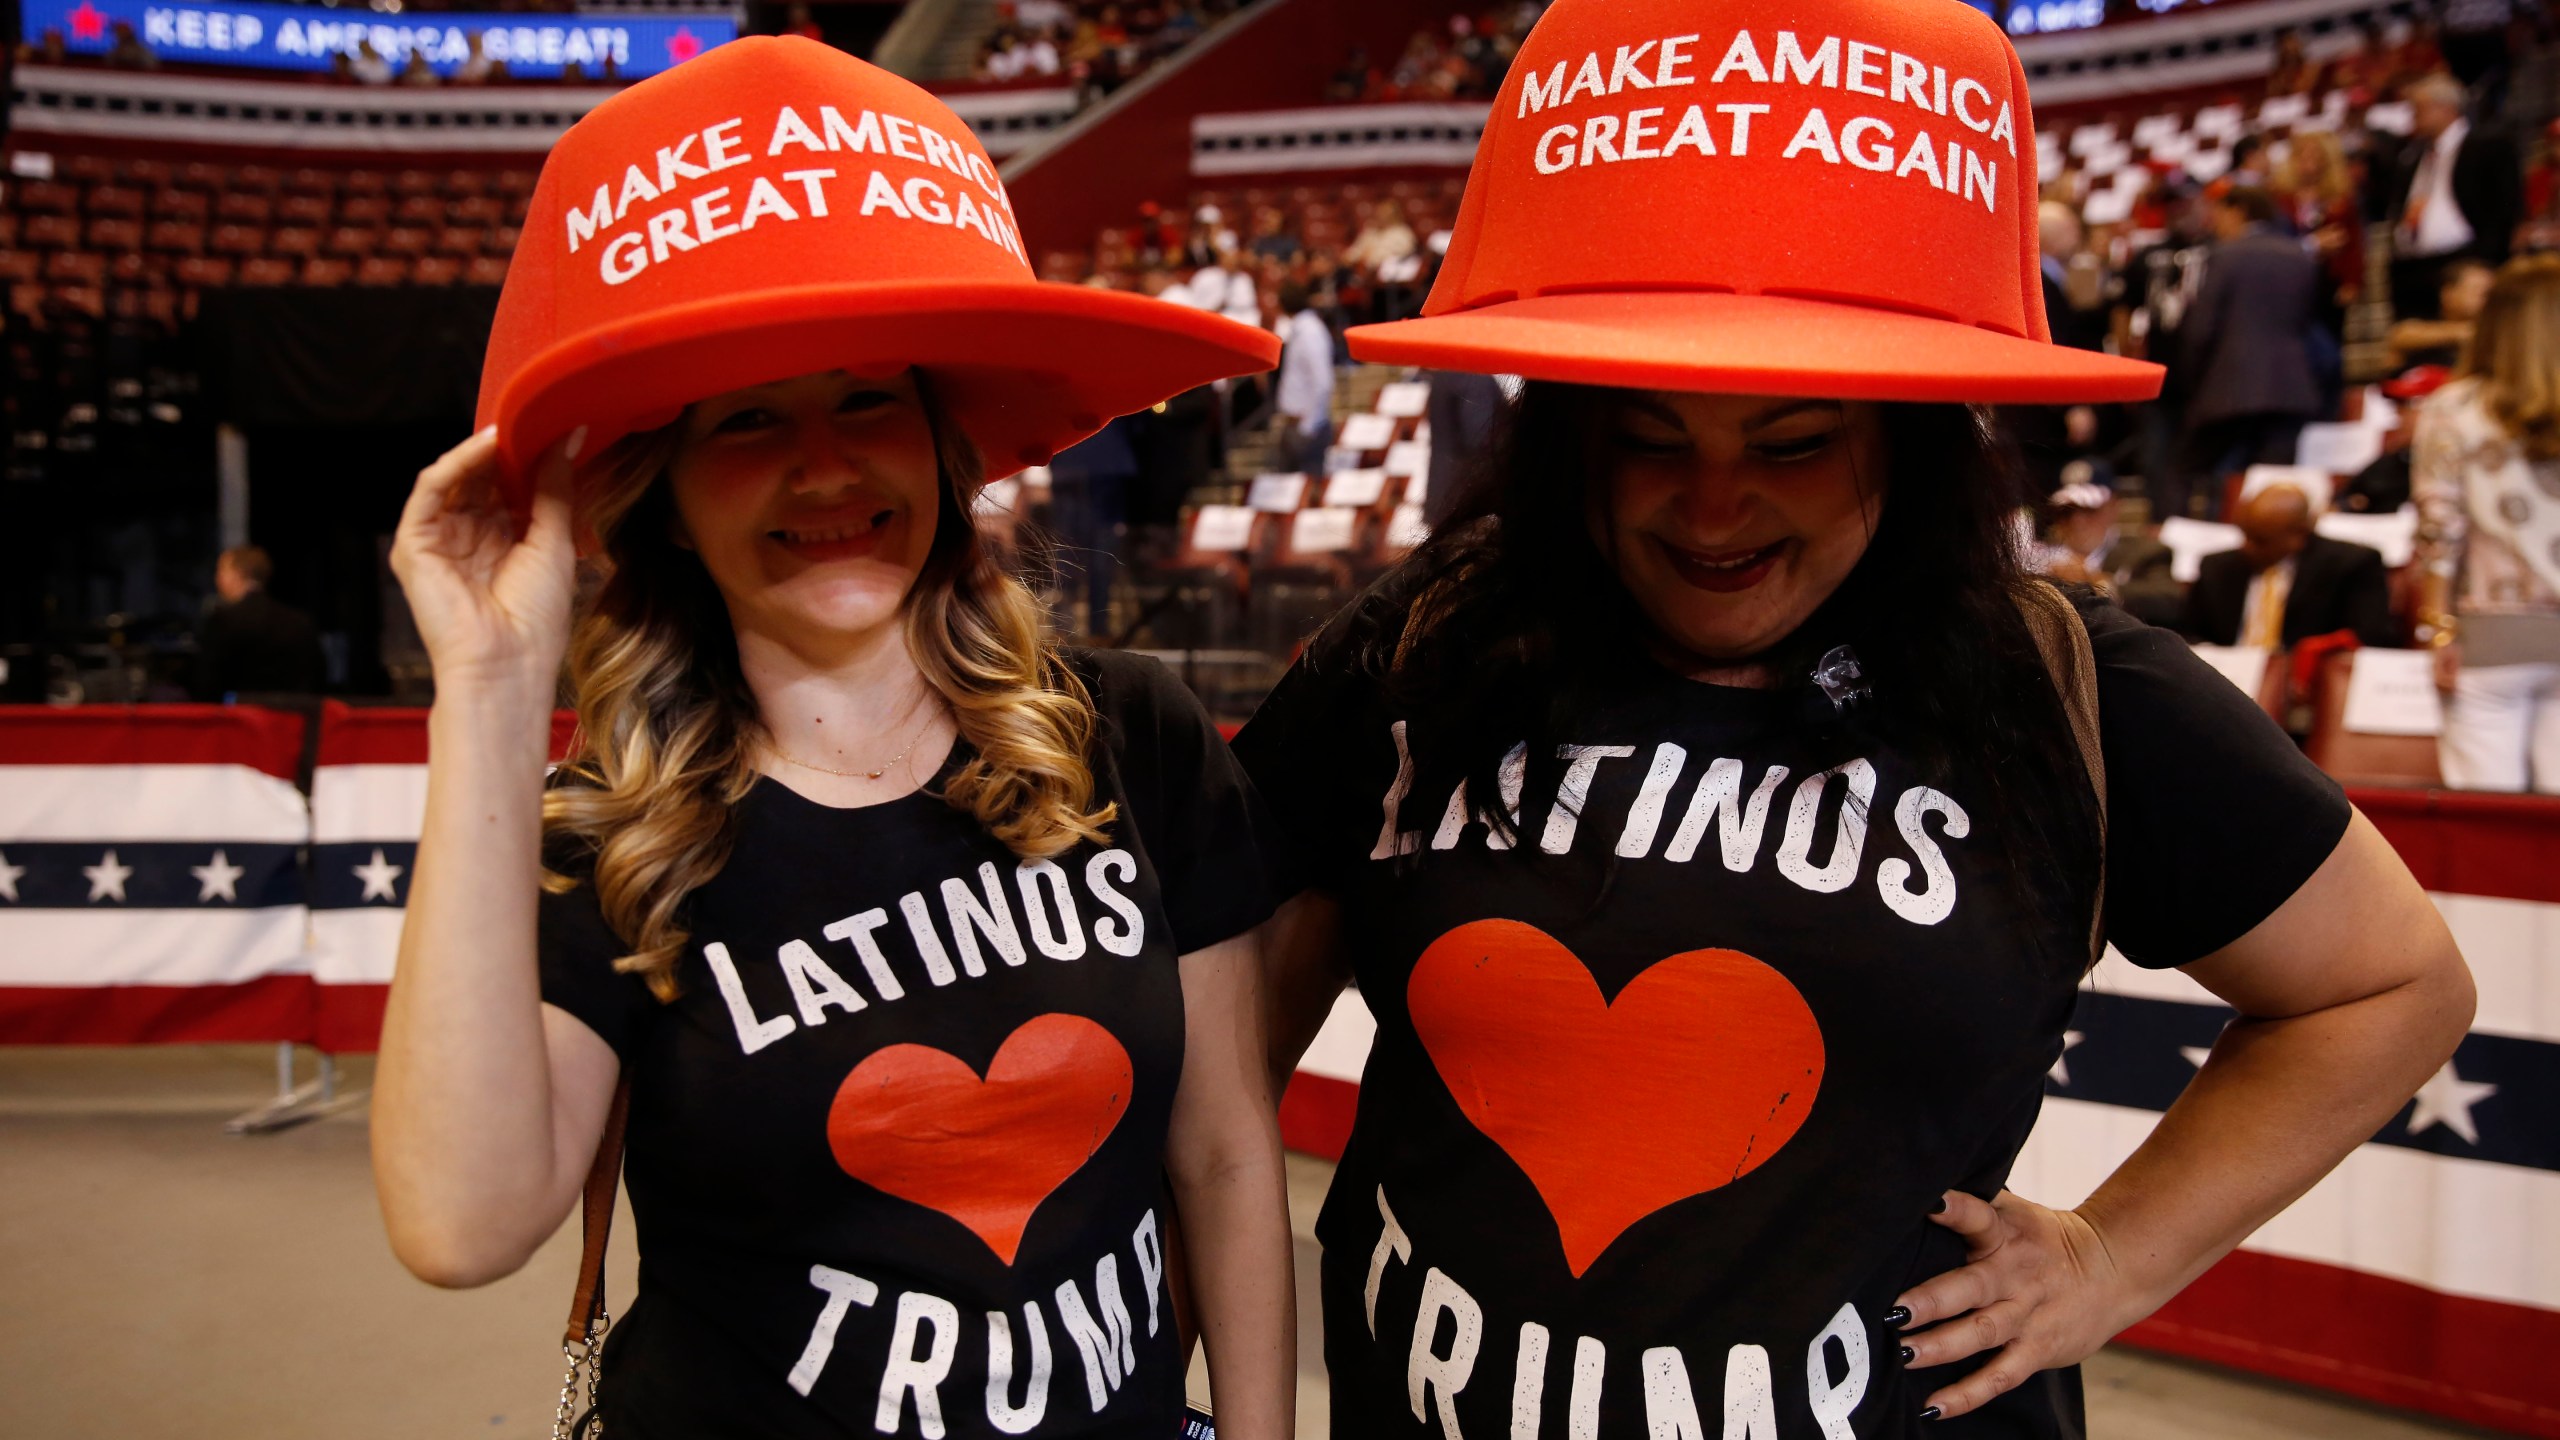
<point>896,1155</point>
<point>1663,1095</point>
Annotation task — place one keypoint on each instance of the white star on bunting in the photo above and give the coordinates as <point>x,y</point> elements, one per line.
<point>219,877</point>
<point>106,879</point>
<point>9,878</point>
<point>377,877</point>
<point>2446,1100</point>
<point>2061,1071</point>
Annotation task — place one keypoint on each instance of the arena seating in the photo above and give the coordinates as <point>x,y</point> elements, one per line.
<point>173,231</point>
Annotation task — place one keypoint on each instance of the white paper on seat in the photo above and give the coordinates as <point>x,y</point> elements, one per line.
<point>2242,665</point>
<point>1367,432</point>
<point>2338,449</point>
<point>2391,118</point>
<point>2223,120</point>
<point>2284,109</point>
<point>1322,531</point>
<point>1355,488</point>
<point>2394,534</point>
<point>1404,399</point>
<point>1277,494</point>
<point>1222,529</point>
<point>2189,541</point>
<point>2393,692</point>
<point>1408,457</point>
<point>1407,530</point>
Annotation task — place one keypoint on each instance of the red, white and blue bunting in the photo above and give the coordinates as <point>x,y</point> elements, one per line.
<point>2425,1272</point>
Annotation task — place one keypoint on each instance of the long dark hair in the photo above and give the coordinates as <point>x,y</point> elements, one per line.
<point>1510,626</point>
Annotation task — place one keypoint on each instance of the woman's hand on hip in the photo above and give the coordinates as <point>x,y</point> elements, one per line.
<point>2038,1290</point>
<point>491,599</point>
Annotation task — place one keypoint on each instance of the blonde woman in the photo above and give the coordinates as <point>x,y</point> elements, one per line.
<point>2319,195</point>
<point>917,941</point>
<point>2486,476</point>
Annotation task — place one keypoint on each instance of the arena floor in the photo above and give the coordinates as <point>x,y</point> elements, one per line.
<point>165,1279</point>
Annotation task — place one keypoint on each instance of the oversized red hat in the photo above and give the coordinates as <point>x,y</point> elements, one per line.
<point>775,208</point>
<point>1822,197</point>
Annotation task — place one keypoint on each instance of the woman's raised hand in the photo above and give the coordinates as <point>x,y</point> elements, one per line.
<point>492,604</point>
<point>2038,1290</point>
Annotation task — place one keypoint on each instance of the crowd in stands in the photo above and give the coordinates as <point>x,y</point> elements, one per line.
<point>1096,46</point>
<point>1464,59</point>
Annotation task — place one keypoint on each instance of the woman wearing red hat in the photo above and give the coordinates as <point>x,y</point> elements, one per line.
<point>917,943</point>
<point>1718,823</point>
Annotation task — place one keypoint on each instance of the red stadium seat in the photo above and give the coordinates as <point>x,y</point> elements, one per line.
<point>515,182</point>
<point>115,234</point>
<point>353,241</point>
<point>419,210</point>
<point>239,239</point>
<point>515,208</point>
<point>89,300</point>
<point>323,272</point>
<point>294,241</point>
<point>17,267</point>
<point>435,270</point>
<point>8,229</point>
<point>132,267</point>
<point>148,174</point>
<point>246,207</point>
<point>256,179</point>
<point>482,210</point>
<point>404,240</point>
<point>414,182</point>
<point>502,241</point>
<point>383,270</point>
<point>176,237</point>
<point>303,210</point>
<point>461,183</point>
<point>172,203</point>
<point>2358,758</point>
<point>365,182</point>
<point>75,267</point>
<point>117,200</point>
<point>365,210</point>
<point>204,272</point>
<point>88,169</point>
<point>308,181</point>
<point>48,197</point>
<point>267,270</point>
<point>50,232</point>
<point>461,240</point>
<point>486,270</point>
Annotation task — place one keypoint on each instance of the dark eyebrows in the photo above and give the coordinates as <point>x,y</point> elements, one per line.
<point>1656,410</point>
<point>1789,410</point>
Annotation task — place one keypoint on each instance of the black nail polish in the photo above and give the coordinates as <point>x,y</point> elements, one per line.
<point>1907,1354</point>
<point>1897,1317</point>
<point>1940,1208</point>
<point>1929,1414</point>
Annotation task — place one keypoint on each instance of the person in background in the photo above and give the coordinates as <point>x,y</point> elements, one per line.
<point>2296,73</point>
<point>1272,238</point>
<point>1465,411</point>
<point>253,643</point>
<point>2287,582</point>
<point>798,21</point>
<point>1386,246</point>
<point>2317,191</point>
<point>2246,359</point>
<point>2050,436</point>
<point>2085,543</point>
<point>416,72</point>
<point>2460,192</point>
<point>2440,341</point>
<point>1089,485</point>
<point>1304,404</point>
<point>476,65</point>
<point>128,52</point>
<point>2487,482</point>
<point>370,67</point>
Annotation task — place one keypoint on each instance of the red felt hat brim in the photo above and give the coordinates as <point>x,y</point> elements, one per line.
<point>1025,368</point>
<point>1722,343</point>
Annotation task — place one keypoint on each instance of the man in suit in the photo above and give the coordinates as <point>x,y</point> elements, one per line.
<point>2251,387</point>
<point>2286,583</point>
<point>2459,192</point>
<point>2086,542</point>
<point>253,643</point>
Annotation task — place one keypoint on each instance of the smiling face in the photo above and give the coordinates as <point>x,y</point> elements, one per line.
<point>1731,518</point>
<point>812,502</point>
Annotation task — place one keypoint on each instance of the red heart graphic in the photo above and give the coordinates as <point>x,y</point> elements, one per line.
<point>918,1123</point>
<point>1703,1068</point>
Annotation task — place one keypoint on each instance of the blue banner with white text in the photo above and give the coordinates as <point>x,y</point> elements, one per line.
<point>303,37</point>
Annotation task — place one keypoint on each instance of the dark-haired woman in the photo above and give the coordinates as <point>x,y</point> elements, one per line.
<point>1718,823</point>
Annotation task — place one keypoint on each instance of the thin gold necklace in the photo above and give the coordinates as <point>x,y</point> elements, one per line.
<point>893,762</point>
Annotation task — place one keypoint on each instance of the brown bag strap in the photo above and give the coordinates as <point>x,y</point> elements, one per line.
<point>2063,642</point>
<point>603,1178</point>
